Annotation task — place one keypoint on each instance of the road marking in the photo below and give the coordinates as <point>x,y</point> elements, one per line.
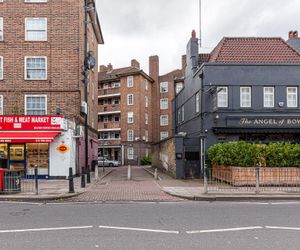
<point>285,203</point>
<point>43,229</point>
<point>139,229</point>
<point>284,228</point>
<point>223,230</point>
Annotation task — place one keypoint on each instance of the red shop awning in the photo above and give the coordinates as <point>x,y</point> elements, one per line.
<point>27,136</point>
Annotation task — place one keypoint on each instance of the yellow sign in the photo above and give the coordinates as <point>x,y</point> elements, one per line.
<point>62,148</point>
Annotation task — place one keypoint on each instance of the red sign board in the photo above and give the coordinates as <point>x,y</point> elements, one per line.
<point>31,122</point>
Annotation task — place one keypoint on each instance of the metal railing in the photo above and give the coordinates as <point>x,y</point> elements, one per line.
<point>252,180</point>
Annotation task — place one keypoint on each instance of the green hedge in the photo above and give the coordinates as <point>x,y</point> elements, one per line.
<point>245,154</point>
<point>147,160</point>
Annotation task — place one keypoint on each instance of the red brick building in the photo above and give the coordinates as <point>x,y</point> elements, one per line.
<point>41,64</point>
<point>125,113</point>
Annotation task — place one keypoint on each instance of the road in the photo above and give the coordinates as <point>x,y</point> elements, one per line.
<point>149,225</point>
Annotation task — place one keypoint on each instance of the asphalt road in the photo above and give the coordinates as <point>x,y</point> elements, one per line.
<point>138,226</point>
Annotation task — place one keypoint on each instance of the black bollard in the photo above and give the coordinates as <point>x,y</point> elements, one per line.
<point>71,181</point>
<point>82,178</point>
<point>36,181</point>
<point>88,174</point>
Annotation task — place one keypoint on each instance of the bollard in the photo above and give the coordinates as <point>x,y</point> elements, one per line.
<point>205,179</point>
<point>88,174</point>
<point>71,181</point>
<point>82,178</point>
<point>129,172</point>
<point>257,179</point>
<point>96,172</point>
<point>155,174</point>
<point>36,181</point>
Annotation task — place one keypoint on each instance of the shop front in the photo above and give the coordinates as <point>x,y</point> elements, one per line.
<point>25,143</point>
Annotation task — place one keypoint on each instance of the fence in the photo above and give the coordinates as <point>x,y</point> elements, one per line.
<point>252,180</point>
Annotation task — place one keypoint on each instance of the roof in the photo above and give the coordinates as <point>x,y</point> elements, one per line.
<point>116,73</point>
<point>254,50</point>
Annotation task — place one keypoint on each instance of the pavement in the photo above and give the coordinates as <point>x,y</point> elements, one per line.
<point>113,185</point>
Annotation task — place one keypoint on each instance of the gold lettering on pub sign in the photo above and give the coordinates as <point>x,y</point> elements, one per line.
<point>269,121</point>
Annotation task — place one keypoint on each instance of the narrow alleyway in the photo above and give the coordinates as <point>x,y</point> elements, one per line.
<point>116,187</point>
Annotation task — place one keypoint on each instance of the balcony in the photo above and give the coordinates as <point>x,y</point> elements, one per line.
<point>109,109</point>
<point>110,92</point>
<point>109,126</point>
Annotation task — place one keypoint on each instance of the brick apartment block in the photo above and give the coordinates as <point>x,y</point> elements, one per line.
<point>148,118</point>
<point>54,31</point>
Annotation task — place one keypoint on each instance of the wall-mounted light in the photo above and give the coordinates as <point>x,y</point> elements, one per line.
<point>216,118</point>
<point>280,104</point>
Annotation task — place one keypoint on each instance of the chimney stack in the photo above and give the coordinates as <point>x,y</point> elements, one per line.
<point>135,64</point>
<point>109,67</point>
<point>295,34</point>
<point>154,67</point>
<point>193,34</point>
<point>183,61</point>
<point>102,68</point>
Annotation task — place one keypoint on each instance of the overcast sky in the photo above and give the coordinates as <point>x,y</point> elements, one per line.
<point>140,28</point>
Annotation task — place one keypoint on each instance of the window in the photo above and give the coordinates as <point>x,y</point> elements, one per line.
<point>1,104</point>
<point>164,103</point>
<point>164,135</point>
<point>35,68</point>
<point>130,135</point>
<point>291,96</point>
<point>164,120</point>
<point>129,81</point>
<point>146,101</point>
<point>268,97</point>
<point>146,118</point>
<point>35,104</point>
<point>146,135</point>
<point>130,99</point>
<point>116,118</point>
<point>222,97</point>
<point>1,28</point>
<point>130,117</point>
<point>245,97</point>
<point>1,68</point>
<point>179,87</point>
<point>130,153</point>
<point>146,84</point>
<point>105,119</point>
<point>36,29</point>
<point>178,115</point>
<point>115,101</point>
<point>115,84</point>
<point>164,87</point>
<point>182,113</point>
<point>197,102</point>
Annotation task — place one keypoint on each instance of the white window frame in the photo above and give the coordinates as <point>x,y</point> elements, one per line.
<point>46,102</point>
<point>146,135</point>
<point>197,102</point>
<point>222,92</point>
<point>290,102</point>
<point>130,135</point>
<point>245,97</point>
<point>164,135</point>
<point>164,87</point>
<point>128,99</point>
<point>1,68</point>
<point>146,101</point>
<point>182,113</point>
<point>146,118</point>
<point>130,117</point>
<point>146,84</point>
<point>1,29</point>
<point>1,105</point>
<point>164,103</point>
<point>272,95</point>
<point>45,38</point>
<point>164,120</point>
<point>130,153</point>
<point>129,81</point>
<point>46,68</point>
<point>179,87</point>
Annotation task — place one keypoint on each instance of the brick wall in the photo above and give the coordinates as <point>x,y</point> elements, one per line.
<point>163,156</point>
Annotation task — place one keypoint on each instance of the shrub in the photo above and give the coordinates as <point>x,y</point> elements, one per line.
<point>245,154</point>
<point>147,160</point>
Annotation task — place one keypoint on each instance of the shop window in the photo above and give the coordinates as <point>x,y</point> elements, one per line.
<point>37,155</point>
<point>3,156</point>
<point>35,105</point>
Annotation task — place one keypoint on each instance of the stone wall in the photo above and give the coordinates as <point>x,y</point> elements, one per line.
<point>163,156</point>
